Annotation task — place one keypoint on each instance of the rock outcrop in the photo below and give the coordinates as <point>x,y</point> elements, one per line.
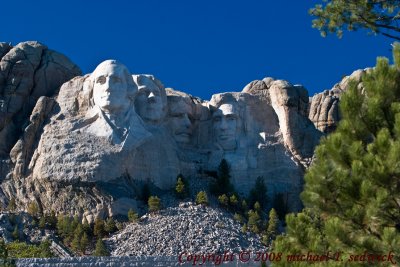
<point>324,107</point>
<point>106,135</point>
<point>27,71</point>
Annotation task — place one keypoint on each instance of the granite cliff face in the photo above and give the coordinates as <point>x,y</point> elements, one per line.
<point>90,147</point>
<point>324,107</point>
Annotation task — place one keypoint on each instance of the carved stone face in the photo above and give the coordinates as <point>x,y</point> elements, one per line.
<point>180,121</point>
<point>110,90</point>
<point>149,104</point>
<point>225,124</point>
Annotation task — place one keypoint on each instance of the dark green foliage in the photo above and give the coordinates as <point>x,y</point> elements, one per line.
<point>181,189</point>
<point>258,193</point>
<point>223,200</point>
<point>280,204</point>
<point>84,242</point>
<point>51,220</point>
<point>233,200</point>
<point>238,217</point>
<point>98,228</point>
<point>154,203</point>
<point>254,221</point>
<point>272,230</point>
<point>109,226</point>
<point>222,185</point>
<point>377,16</point>
<point>86,227</point>
<point>132,216</point>
<point>202,198</point>
<point>24,250</point>
<point>244,228</point>
<point>352,191</point>
<point>100,249</point>
<point>3,250</point>
<point>76,241</point>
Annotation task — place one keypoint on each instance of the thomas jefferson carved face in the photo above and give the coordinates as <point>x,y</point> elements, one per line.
<point>111,89</point>
<point>150,103</point>
<point>180,121</point>
<point>225,124</point>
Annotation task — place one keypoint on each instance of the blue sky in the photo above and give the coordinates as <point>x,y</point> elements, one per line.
<point>200,47</point>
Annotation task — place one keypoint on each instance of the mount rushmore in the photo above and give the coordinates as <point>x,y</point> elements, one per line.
<point>88,144</point>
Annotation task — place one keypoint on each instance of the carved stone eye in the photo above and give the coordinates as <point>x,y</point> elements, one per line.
<point>101,80</point>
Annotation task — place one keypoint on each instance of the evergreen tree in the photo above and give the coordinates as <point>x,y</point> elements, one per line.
<point>233,200</point>
<point>244,228</point>
<point>202,198</point>
<point>254,221</point>
<point>98,229</point>
<point>76,243</point>
<point>352,191</point>
<point>273,224</point>
<point>223,200</point>
<point>100,249</point>
<point>51,220</point>
<point>222,185</point>
<point>84,242</point>
<point>86,227</point>
<point>180,188</point>
<point>377,16</point>
<point>132,216</point>
<point>154,203</point>
<point>3,251</point>
<point>280,205</point>
<point>258,193</point>
<point>109,226</point>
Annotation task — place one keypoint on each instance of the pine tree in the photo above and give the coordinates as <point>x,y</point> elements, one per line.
<point>222,185</point>
<point>98,229</point>
<point>233,200</point>
<point>352,191</point>
<point>100,249</point>
<point>273,224</point>
<point>202,198</point>
<point>223,200</point>
<point>180,188</point>
<point>86,227</point>
<point>132,216</point>
<point>254,221</point>
<point>258,193</point>
<point>109,226</point>
<point>280,205</point>
<point>154,203</point>
<point>84,243</point>
<point>3,251</point>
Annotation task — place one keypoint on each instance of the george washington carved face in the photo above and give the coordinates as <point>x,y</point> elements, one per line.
<point>113,87</point>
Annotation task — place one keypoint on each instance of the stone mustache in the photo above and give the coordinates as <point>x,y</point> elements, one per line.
<point>110,132</point>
